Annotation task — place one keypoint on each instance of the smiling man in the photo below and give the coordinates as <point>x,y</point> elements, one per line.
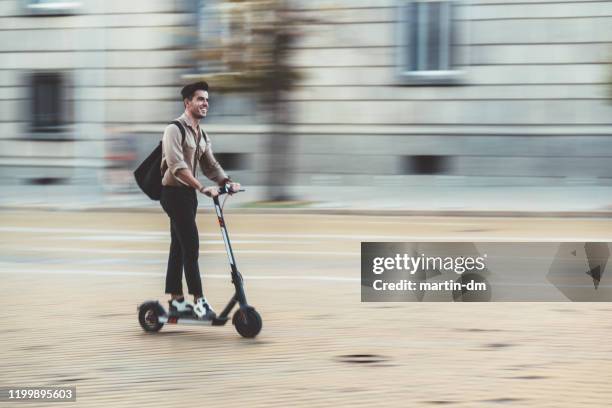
<point>179,201</point>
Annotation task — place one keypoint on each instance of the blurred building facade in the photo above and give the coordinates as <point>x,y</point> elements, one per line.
<point>485,92</point>
<point>393,92</point>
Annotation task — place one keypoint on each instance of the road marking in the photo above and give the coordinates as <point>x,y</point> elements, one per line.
<point>165,251</point>
<point>349,237</point>
<point>132,233</point>
<point>166,239</point>
<point>96,272</point>
<point>311,278</point>
<point>71,230</point>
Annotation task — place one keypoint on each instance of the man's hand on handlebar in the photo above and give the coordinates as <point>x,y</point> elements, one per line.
<point>234,188</point>
<point>212,192</point>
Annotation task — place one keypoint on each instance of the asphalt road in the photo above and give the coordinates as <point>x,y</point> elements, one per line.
<point>71,282</point>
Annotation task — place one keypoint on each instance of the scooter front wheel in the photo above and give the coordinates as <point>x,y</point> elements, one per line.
<point>148,316</point>
<point>248,322</point>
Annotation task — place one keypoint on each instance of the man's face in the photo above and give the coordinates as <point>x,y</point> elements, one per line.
<point>198,105</point>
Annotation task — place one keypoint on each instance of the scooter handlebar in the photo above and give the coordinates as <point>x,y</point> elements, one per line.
<point>226,189</point>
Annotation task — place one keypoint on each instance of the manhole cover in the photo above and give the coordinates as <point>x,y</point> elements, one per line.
<point>362,358</point>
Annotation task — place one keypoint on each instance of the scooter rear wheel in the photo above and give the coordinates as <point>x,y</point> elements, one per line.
<point>248,322</point>
<point>148,316</point>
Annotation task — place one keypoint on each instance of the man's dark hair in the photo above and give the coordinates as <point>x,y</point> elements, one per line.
<point>188,90</point>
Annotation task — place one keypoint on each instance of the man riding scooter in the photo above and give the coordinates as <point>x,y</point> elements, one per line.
<point>179,201</point>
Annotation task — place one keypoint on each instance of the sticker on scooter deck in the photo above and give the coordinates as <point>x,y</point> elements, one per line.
<point>184,320</point>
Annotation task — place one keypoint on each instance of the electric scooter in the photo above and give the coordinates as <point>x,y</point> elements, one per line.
<point>152,315</point>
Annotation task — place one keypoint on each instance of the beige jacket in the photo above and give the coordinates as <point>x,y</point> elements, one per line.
<point>176,157</point>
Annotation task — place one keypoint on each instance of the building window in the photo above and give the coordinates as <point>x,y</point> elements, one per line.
<point>51,7</point>
<point>427,44</point>
<point>47,103</point>
<point>426,164</point>
<point>233,161</point>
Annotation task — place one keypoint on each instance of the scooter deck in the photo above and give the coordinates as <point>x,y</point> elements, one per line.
<point>186,319</point>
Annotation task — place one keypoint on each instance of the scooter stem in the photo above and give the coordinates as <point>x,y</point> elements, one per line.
<point>236,276</point>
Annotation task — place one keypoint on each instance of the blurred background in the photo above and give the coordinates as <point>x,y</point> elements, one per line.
<point>328,106</point>
<point>349,103</point>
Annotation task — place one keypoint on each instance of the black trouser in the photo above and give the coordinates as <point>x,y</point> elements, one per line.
<point>181,204</point>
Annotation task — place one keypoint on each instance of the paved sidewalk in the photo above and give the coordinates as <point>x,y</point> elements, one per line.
<point>319,348</point>
<point>71,282</point>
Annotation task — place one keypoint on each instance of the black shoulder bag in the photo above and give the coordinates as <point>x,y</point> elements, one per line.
<point>148,175</point>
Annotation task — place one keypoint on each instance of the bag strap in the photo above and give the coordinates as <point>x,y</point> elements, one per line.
<point>181,128</point>
<point>179,125</point>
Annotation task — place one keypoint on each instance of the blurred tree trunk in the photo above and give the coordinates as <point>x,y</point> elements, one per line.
<point>255,58</point>
<point>280,169</point>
